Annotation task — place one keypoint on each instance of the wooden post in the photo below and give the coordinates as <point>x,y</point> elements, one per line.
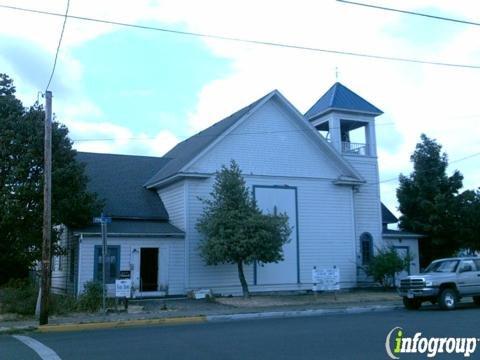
<point>104,257</point>
<point>47,212</point>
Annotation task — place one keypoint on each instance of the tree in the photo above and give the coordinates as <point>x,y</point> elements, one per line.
<point>469,220</point>
<point>385,264</point>
<point>235,231</point>
<point>21,183</point>
<point>428,201</point>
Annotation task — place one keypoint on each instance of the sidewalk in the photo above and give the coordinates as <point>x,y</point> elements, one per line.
<point>176,311</point>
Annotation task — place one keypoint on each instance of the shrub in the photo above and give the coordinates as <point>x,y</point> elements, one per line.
<point>91,298</point>
<point>385,264</point>
<point>19,296</point>
<point>62,304</point>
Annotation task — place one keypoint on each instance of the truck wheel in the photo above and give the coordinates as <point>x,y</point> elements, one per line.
<point>411,304</point>
<point>448,299</point>
<point>476,300</point>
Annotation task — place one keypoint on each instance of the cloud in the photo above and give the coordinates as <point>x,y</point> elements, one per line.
<point>106,137</point>
<point>439,101</point>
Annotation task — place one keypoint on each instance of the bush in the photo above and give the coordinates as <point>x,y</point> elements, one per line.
<point>19,296</point>
<point>91,298</point>
<point>385,264</point>
<point>62,304</point>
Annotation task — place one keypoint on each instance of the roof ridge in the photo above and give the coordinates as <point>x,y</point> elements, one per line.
<point>124,155</point>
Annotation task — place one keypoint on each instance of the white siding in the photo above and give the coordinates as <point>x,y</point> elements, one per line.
<point>271,149</point>
<point>412,245</point>
<point>173,265</point>
<point>61,283</point>
<point>173,197</point>
<point>367,209</point>
<point>270,142</point>
<point>325,235</point>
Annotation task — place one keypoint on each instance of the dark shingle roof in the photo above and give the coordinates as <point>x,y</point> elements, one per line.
<point>339,97</point>
<point>130,227</point>
<point>118,179</point>
<point>185,151</point>
<point>387,216</point>
<point>400,233</point>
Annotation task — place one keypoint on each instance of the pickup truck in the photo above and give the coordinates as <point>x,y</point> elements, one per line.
<point>444,281</point>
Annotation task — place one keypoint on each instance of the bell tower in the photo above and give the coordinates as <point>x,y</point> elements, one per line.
<point>347,121</point>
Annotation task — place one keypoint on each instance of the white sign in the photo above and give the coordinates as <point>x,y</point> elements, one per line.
<point>123,288</point>
<point>326,279</point>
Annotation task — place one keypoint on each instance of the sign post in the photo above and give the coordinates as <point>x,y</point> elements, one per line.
<point>103,221</point>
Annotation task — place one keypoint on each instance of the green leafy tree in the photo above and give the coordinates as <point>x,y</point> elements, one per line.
<point>21,183</point>
<point>235,231</point>
<point>385,264</point>
<point>469,220</point>
<point>428,201</point>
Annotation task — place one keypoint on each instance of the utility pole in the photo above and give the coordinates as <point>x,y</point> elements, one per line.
<point>47,212</point>
<point>104,265</point>
<point>103,221</point>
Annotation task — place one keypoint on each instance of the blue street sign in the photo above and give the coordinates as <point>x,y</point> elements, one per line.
<point>102,220</point>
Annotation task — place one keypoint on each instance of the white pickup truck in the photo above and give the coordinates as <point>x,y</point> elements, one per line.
<point>445,282</point>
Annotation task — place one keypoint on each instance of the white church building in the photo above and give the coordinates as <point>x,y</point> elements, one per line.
<point>321,168</point>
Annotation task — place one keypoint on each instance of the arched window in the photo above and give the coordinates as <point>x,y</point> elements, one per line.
<point>366,246</point>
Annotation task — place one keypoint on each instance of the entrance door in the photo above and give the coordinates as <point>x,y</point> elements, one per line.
<point>279,200</point>
<point>403,252</point>
<point>149,269</point>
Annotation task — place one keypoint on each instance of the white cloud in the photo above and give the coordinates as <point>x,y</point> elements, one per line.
<point>439,101</point>
<point>105,137</point>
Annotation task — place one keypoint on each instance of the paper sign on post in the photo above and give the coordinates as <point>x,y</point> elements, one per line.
<point>123,288</point>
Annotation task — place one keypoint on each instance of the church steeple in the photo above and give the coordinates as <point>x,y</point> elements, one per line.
<point>341,98</point>
<point>346,120</point>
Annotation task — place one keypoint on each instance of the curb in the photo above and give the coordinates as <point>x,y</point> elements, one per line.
<point>197,319</point>
<point>16,330</point>
<point>299,313</point>
<point>121,324</point>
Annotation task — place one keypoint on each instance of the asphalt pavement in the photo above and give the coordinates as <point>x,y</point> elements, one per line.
<point>345,336</point>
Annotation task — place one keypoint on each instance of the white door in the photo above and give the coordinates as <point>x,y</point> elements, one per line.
<point>280,200</point>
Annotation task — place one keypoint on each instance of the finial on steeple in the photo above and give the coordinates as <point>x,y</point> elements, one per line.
<point>336,73</point>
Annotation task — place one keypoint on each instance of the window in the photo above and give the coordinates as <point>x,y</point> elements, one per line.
<point>112,260</point>
<point>366,245</point>
<point>467,265</point>
<point>477,262</point>
<point>443,266</point>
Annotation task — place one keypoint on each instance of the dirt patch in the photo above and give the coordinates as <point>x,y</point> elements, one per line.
<point>358,297</point>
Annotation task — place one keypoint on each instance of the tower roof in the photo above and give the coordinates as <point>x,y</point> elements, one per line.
<point>341,98</point>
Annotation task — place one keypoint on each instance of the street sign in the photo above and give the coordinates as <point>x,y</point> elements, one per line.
<point>123,288</point>
<point>102,220</point>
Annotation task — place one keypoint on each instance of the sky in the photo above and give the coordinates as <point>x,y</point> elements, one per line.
<point>132,91</point>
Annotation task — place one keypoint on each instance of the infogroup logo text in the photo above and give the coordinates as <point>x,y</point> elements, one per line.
<point>397,343</point>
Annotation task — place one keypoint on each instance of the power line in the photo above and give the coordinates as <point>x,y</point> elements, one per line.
<point>449,163</point>
<point>436,17</point>
<point>212,135</point>
<point>58,46</point>
<point>249,41</point>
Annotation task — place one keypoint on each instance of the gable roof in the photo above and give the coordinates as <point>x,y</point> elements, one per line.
<point>118,179</point>
<point>186,151</point>
<point>341,98</point>
<point>387,216</point>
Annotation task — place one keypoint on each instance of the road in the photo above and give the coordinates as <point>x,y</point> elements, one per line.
<point>354,336</point>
